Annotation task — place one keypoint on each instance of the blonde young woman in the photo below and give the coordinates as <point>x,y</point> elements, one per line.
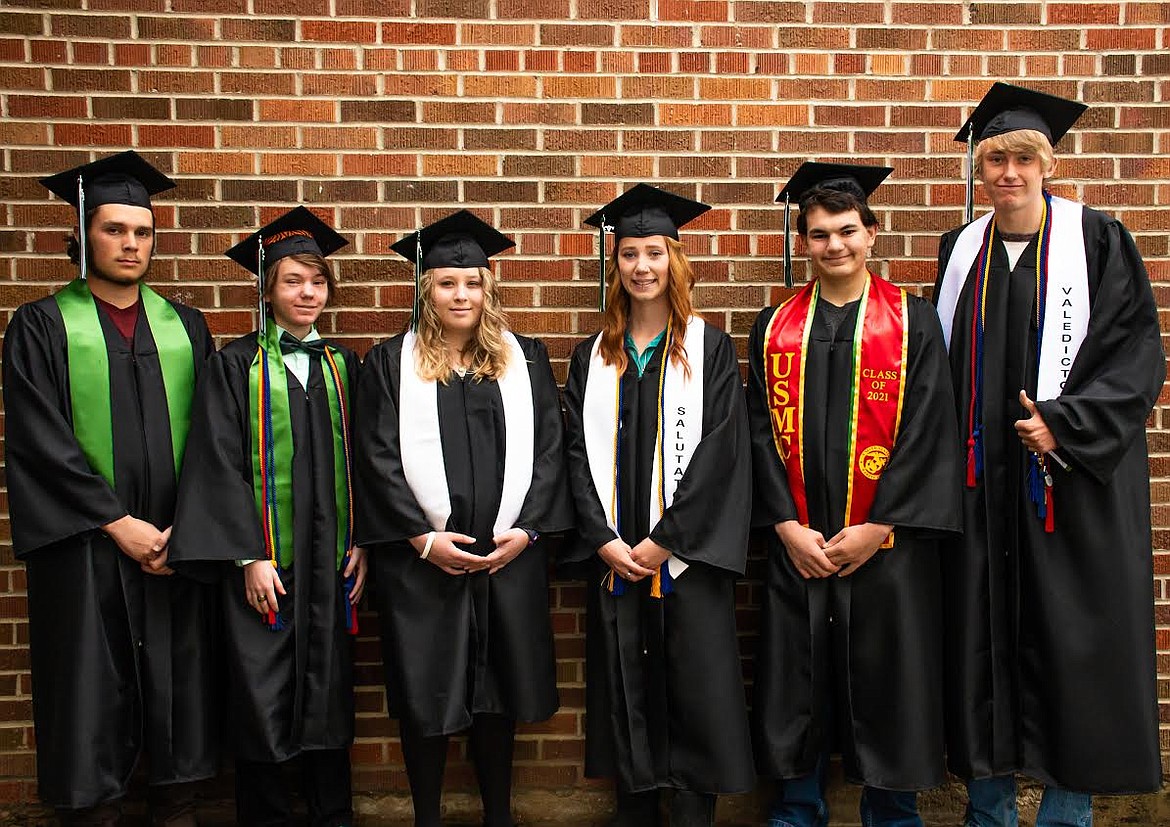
<point>459,470</point>
<point>661,475</point>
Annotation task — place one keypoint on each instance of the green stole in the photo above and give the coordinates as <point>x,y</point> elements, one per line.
<point>272,446</point>
<point>89,372</point>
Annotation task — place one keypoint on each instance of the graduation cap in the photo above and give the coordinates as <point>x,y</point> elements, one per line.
<point>125,178</point>
<point>1007,108</point>
<point>297,231</point>
<point>641,212</point>
<point>858,179</point>
<point>461,239</point>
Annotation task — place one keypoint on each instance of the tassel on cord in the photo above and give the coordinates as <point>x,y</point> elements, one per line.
<point>975,456</point>
<point>617,585</point>
<point>969,203</point>
<point>1050,512</point>
<point>81,229</point>
<point>1037,494</point>
<point>787,244</point>
<point>1040,491</point>
<point>347,584</point>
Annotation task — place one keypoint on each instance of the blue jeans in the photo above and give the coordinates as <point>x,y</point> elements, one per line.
<point>800,802</point>
<point>991,802</point>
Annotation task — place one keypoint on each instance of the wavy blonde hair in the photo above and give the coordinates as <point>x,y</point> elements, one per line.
<point>617,307</point>
<point>1018,140</point>
<point>487,348</point>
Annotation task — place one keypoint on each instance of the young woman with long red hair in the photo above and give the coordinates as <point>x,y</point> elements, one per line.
<point>660,471</point>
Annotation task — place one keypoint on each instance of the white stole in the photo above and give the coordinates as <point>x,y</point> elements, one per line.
<point>682,427</point>
<point>1066,311</point>
<point>421,444</point>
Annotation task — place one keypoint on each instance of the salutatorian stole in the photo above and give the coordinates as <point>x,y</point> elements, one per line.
<point>878,387</point>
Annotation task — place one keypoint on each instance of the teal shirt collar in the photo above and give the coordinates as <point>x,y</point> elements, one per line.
<point>641,360</point>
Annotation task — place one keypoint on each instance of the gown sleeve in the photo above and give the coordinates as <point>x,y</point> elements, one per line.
<point>385,510</point>
<point>709,519</point>
<point>547,507</point>
<point>216,517</point>
<point>772,501</point>
<point>921,485</point>
<point>1120,366</point>
<point>593,531</point>
<point>53,493</point>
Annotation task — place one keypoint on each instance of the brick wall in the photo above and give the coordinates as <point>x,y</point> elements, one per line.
<point>382,114</point>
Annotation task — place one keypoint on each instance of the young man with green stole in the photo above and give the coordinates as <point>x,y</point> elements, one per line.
<point>854,443</point>
<point>268,506</point>
<point>98,381</point>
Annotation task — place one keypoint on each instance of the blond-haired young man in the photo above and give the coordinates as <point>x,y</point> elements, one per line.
<point>1056,360</point>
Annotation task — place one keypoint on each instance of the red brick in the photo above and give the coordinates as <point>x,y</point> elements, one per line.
<point>660,35</point>
<point>1084,13</point>
<point>89,26</point>
<point>416,34</point>
<point>338,31</point>
<point>753,11</point>
<point>95,134</point>
<point>21,24</point>
<point>180,82</point>
<point>984,14</point>
<point>694,11</point>
<point>54,107</point>
<point>833,12</point>
<point>737,37</point>
<point>1117,39</point>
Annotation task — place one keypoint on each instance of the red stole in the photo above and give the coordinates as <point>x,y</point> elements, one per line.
<point>879,386</point>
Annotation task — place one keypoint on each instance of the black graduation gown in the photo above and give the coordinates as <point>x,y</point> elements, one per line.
<point>665,704</point>
<point>456,646</point>
<point>1050,637</point>
<point>122,661</point>
<point>290,690</point>
<point>855,663</point>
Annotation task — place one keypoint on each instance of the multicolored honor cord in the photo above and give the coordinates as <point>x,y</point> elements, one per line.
<point>271,510</point>
<point>343,485</point>
<point>273,457</point>
<point>1039,479</point>
<point>662,584</point>
<point>978,319</point>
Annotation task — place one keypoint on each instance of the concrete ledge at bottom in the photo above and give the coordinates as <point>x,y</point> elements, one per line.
<point>942,807</point>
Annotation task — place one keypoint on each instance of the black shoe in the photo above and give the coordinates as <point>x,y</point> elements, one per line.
<point>690,809</point>
<point>636,810</point>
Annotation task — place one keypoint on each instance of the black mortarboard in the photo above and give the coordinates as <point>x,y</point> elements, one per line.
<point>856,178</point>
<point>461,239</point>
<point>125,178</point>
<point>641,212</point>
<point>297,231</point>
<point>1006,108</point>
<point>859,179</point>
<point>644,211</point>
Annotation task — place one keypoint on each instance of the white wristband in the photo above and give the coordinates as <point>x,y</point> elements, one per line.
<point>427,548</point>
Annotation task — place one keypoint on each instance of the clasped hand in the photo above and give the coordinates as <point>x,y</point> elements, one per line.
<point>142,543</point>
<point>453,560</point>
<point>635,563</point>
<point>847,551</point>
